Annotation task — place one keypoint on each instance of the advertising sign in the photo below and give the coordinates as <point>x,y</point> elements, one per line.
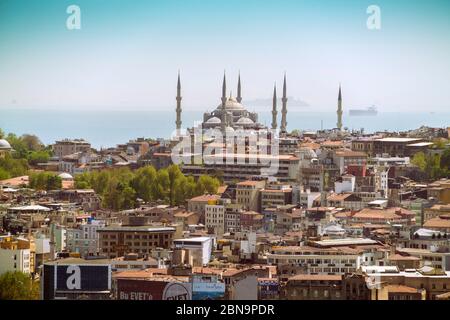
<point>134,289</point>
<point>208,290</point>
<point>75,278</point>
<point>83,277</point>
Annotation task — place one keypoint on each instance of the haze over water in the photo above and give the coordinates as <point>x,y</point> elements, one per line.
<point>106,128</point>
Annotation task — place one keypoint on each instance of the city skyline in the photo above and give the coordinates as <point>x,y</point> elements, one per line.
<point>127,56</point>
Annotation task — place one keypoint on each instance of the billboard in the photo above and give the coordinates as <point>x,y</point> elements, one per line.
<point>208,290</point>
<point>83,277</point>
<point>75,278</point>
<point>135,289</point>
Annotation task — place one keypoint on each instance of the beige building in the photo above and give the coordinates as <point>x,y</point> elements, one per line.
<point>215,217</point>
<point>66,147</point>
<point>436,211</point>
<point>440,190</point>
<point>198,204</point>
<point>248,194</point>
<point>117,241</point>
<point>16,254</point>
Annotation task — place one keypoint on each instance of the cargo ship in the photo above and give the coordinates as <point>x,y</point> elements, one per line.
<point>370,111</point>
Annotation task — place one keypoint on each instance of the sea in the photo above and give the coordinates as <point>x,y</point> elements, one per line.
<point>107,128</point>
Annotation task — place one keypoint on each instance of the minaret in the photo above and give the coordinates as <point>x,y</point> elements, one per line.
<point>339,110</point>
<point>274,108</point>
<point>224,91</point>
<point>224,101</point>
<point>239,97</point>
<point>284,108</point>
<point>178,121</point>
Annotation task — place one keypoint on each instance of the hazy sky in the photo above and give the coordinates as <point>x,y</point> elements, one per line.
<point>127,53</point>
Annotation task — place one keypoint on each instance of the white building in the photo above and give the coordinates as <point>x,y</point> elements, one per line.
<point>346,185</point>
<point>304,197</point>
<point>330,257</point>
<point>84,240</point>
<point>197,251</point>
<point>15,260</point>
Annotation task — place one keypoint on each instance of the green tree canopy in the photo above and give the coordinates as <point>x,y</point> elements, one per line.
<point>18,286</point>
<point>45,181</point>
<point>419,160</point>
<point>120,188</point>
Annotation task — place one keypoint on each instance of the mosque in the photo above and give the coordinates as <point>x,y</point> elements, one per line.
<point>230,114</point>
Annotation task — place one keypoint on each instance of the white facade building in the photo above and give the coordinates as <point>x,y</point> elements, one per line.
<point>199,248</point>
<point>15,260</point>
<point>84,240</point>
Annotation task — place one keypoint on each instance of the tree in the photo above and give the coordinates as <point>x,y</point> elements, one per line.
<point>53,182</point>
<point>207,184</point>
<point>162,185</point>
<point>18,286</point>
<point>445,161</point>
<point>10,167</point>
<point>433,167</point>
<point>99,181</point>
<point>32,142</point>
<point>82,181</point>
<point>440,143</point>
<point>129,198</point>
<point>112,197</point>
<point>419,160</point>
<point>144,182</point>
<point>19,146</point>
<point>35,157</point>
<point>2,133</point>
<point>45,181</point>
<point>175,175</point>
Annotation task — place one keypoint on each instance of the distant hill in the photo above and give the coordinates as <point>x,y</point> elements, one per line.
<point>292,102</point>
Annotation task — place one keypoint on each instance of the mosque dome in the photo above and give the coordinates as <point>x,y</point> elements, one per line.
<point>65,176</point>
<point>231,104</point>
<point>213,120</point>
<point>245,120</point>
<point>4,144</point>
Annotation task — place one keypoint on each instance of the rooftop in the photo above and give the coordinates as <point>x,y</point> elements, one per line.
<point>394,139</point>
<point>137,229</point>
<point>315,277</point>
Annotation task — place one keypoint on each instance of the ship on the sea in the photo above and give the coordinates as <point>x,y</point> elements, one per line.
<point>370,111</point>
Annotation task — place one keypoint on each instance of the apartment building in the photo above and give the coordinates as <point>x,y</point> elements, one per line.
<point>243,166</point>
<point>117,241</point>
<point>345,158</point>
<point>273,196</point>
<point>66,147</point>
<point>215,216</point>
<point>314,287</point>
<point>16,254</point>
<point>248,194</point>
<point>310,260</point>
<point>233,217</point>
<point>84,239</point>
<point>327,257</point>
